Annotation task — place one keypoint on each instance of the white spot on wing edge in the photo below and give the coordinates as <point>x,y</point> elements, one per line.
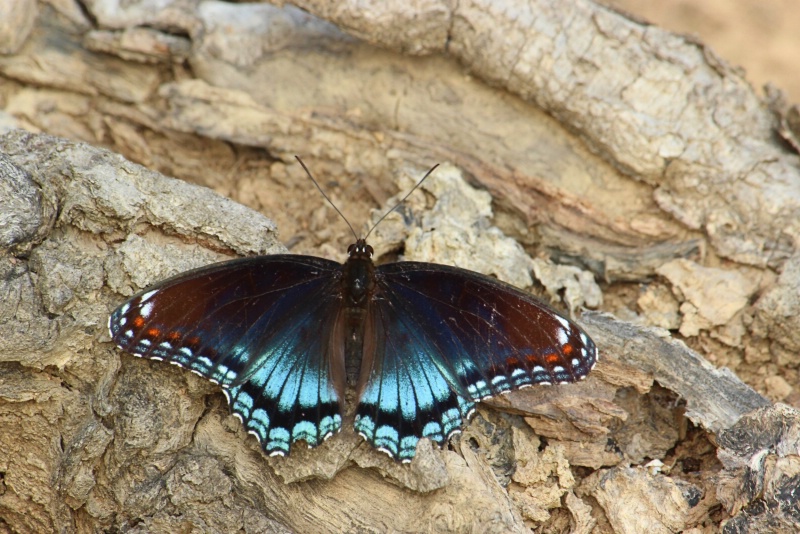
<point>387,451</point>
<point>563,336</point>
<point>452,433</point>
<point>146,310</point>
<point>147,296</point>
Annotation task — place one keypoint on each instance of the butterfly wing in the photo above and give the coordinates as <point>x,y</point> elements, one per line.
<point>263,328</point>
<point>446,338</point>
<point>404,395</point>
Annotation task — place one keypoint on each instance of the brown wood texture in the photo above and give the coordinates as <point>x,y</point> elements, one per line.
<point>595,159</point>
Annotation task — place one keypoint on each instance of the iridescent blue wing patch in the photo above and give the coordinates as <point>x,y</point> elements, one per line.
<point>446,338</point>
<point>405,394</point>
<point>260,328</point>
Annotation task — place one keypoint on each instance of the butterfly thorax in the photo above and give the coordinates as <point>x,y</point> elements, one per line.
<point>358,280</point>
<point>358,286</point>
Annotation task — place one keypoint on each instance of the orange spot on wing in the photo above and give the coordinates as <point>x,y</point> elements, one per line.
<point>138,322</point>
<point>568,349</point>
<point>552,358</point>
<point>174,336</point>
<point>154,332</point>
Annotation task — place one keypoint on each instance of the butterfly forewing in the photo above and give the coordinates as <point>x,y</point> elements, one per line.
<point>496,337</point>
<point>447,338</point>
<point>260,327</point>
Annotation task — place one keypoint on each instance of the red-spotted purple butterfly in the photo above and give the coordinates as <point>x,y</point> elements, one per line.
<point>284,335</point>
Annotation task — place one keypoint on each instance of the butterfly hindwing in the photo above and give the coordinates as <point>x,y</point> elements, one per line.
<point>448,338</point>
<point>405,395</point>
<point>260,328</point>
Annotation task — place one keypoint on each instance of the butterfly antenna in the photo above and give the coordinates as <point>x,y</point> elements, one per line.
<point>300,161</point>
<point>402,200</point>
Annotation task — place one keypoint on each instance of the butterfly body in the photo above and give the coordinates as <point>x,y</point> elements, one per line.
<point>286,335</point>
<point>358,288</point>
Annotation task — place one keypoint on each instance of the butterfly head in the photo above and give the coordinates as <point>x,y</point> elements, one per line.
<point>360,250</point>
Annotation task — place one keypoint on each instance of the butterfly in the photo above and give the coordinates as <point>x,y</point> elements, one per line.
<point>285,336</point>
